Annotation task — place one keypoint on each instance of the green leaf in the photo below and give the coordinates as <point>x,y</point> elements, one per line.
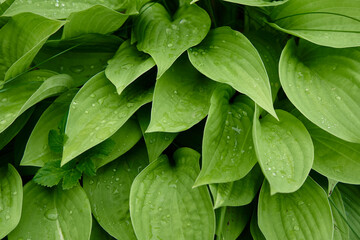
<point>156,142</point>
<point>62,9</point>
<point>97,19</point>
<point>87,56</point>
<point>269,47</point>
<point>324,22</point>
<point>9,133</point>
<point>163,203</point>
<point>304,214</point>
<point>258,3</point>
<point>181,98</point>
<point>164,37</point>
<point>20,40</point>
<point>127,65</point>
<point>240,192</point>
<point>254,228</point>
<point>341,229</point>
<point>351,199</point>
<point>11,198</point>
<point>97,112</point>
<point>50,174</point>
<point>109,192</point>
<point>71,179</point>
<point>56,141</point>
<point>227,149</point>
<point>284,150</point>
<point>38,151</point>
<point>53,214</point>
<point>323,84</point>
<point>228,57</point>
<point>98,233</point>
<point>26,91</point>
<point>231,221</point>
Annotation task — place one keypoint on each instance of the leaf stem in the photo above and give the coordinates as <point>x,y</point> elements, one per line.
<point>221,223</point>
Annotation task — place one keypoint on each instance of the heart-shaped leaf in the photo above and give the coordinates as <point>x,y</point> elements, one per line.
<point>53,214</point>
<point>37,151</point>
<point>163,203</point>
<point>258,3</point>
<point>228,152</point>
<point>240,192</point>
<point>324,84</point>
<point>27,90</point>
<point>164,37</point>
<point>227,56</point>
<point>304,214</point>
<point>97,19</point>
<point>62,9</point>
<point>20,40</point>
<point>11,198</point>
<point>156,142</point>
<point>109,192</point>
<point>127,65</point>
<point>97,112</point>
<point>284,150</point>
<point>330,23</point>
<point>181,98</point>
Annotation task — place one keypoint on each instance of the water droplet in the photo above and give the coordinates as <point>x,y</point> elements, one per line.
<point>70,212</point>
<point>117,179</point>
<point>175,92</point>
<point>14,193</point>
<point>170,45</point>
<point>228,137</point>
<point>296,228</point>
<point>300,203</point>
<point>182,21</point>
<point>338,97</point>
<point>93,105</point>
<point>91,182</point>
<point>51,214</point>
<point>129,105</point>
<point>77,69</point>
<point>2,121</point>
<point>127,66</point>
<point>7,217</point>
<point>160,209</point>
<point>92,95</point>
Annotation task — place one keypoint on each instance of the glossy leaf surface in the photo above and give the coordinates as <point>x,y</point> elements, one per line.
<point>53,214</point>
<point>324,84</point>
<point>284,150</point>
<point>164,204</point>
<point>258,3</point>
<point>11,199</point>
<point>164,37</point>
<point>228,152</point>
<point>231,221</point>
<point>341,228</point>
<point>227,56</point>
<point>304,214</point>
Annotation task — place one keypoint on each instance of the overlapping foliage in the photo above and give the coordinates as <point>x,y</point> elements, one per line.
<point>234,119</point>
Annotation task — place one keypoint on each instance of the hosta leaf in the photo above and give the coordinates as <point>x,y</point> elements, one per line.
<point>240,192</point>
<point>341,228</point>
<point>258,3</point>
<point>97,112</point>
<point>284,150</point>
<point>60,9</point>
<point>228,152</point>
<point>254,228</point>
<point>53,214</point>
<point>231,221</point>
<point>124,139</point>
<point>164,37</point>
<point>37,151</point>
<point>163,203</point>
<point>181,98</point>
<point>88,56</point>
<point>109,192</point>
<point>351,198</point>
<point>227,56</point>
<point>127,65</point>
<point>20,39</point>
<point>156,142</point>
<point>325,22</point>
<point>97,19</point>
<point>27,90</point>
<point>98,233</point>
<point>334,157</point>
<point>324,84</point>
<point>269,47</point>
<point>10,132</point>
<point>304,214</point>
<point>11,198</point>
